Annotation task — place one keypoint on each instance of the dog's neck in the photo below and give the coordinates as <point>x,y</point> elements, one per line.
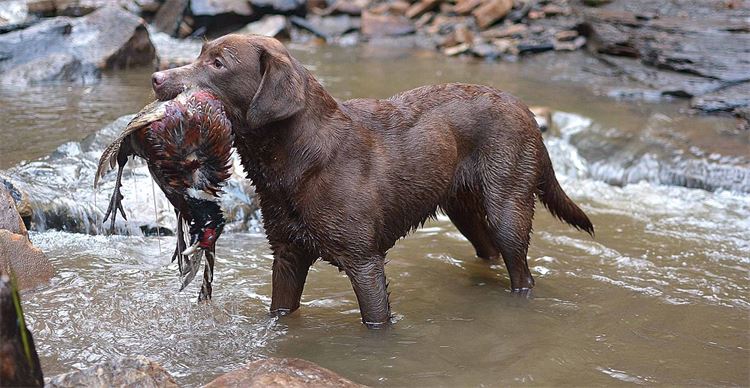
<point>286,152</point>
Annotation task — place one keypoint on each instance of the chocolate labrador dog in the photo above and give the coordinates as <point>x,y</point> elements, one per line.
<point>343,181</point>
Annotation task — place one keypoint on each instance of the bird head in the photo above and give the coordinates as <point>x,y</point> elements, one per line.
<point>206,224</point>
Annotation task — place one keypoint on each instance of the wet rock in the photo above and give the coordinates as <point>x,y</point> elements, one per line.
<point>666,83</point>
<point>333,26</point>
<point>83,7</point>
<point>491,11</point>
<point>217,8</point>
<point>553,10</point>
<point>424,20</point>
<point>674,37</point>
<point>126,372</point>
<point>14,15</point>
<point>28,263</point>
<point>457,49</point>
<point>743,118</point>
<point>286,7</point>
<point>566,35</point>
<point>516,30</point>
<point>463,34</point>
<point>464,7</point>
<point>281,372</point>
<point>534,47</point>
<point>596,3</point>
<point>351,7</point>
<point>20,198</point>
<point>420,7</point>
<point>42,7</point>
<point>20,366</point>
<point>730,99</point>
<point>275,26</point>
<point>172,52</point>
<point>569,45</point>
<point>217,17</point>
<point>148,6</point>
<point>76,8</point>
<point>9,218</point>
<point>75,49</point>
<point>443,25</point>
<point>520,12</point>
<point>398,7</point>
<point>385,25</point>
<point>169,16</point>
<point>487,50</point>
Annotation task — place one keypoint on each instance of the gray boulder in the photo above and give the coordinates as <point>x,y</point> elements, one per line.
<point>74,49</point>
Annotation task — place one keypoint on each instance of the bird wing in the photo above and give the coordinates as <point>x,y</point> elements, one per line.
<point>150,113</point>
<point>192,146</point>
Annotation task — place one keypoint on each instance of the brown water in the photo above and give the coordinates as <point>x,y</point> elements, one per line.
<point>660,296</point>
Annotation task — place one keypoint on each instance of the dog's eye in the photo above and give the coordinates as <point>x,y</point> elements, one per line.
<point>218,64</point>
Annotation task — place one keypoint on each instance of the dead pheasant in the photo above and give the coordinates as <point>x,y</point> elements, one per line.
<point>186,143</point>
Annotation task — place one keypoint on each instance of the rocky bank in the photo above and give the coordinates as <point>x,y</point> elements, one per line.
<point>659,49</point>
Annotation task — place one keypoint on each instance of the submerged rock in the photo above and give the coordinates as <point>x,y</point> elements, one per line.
<point>74,49</point>
<point>281,372</point>
<point>136,371</point>
<point>19,361</point>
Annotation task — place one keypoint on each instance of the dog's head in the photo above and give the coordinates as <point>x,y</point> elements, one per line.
<point>254,76</point>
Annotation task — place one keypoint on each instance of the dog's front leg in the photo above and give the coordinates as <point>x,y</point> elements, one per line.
<point>368,279</point>
<point>290,267</point>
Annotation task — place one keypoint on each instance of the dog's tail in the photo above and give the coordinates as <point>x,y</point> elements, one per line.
<point>556,201</point>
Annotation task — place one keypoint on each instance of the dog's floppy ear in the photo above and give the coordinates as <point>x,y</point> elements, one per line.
<point>281,92</point>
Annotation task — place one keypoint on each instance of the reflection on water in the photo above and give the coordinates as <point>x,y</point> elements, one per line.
<point>36,119</point>
<point>660,296</point>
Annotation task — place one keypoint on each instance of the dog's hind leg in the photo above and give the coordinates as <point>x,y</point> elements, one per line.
<point>508,189</point>
<point>510,221</point>
<point>466,211</point>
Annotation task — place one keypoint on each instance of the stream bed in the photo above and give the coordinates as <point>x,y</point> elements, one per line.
<point>661,295</point>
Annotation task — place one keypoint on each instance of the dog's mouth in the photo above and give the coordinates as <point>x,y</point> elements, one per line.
<point>168,92</point>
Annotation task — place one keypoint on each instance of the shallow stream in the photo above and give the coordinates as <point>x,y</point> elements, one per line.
<point>661,295</point>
